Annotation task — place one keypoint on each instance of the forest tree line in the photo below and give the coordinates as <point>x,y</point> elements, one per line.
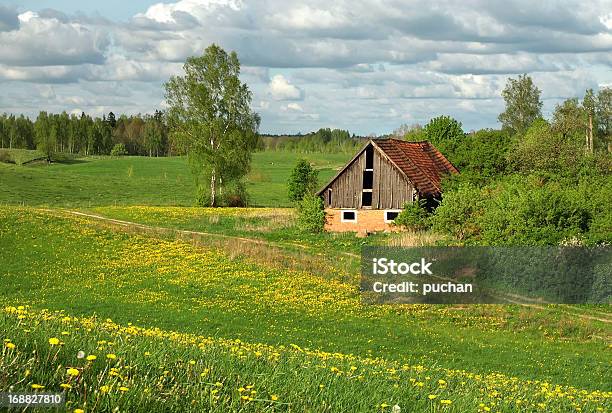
<point>146,135</point>
<point>323,140</point>
<point>85,135</point>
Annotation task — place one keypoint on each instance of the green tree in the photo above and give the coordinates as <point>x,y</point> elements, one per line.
<point>446,134</point>
<point>482,155</point>
<point>118,150</point>
<point>604,114</point>
<point>209,114</point>
<point>45,139</point>
<point>153,136</point>
<point>311,215</point>
<point>304,180</point>
<point>544,149</point>
<point>570,119</point>
<point>523,104</point>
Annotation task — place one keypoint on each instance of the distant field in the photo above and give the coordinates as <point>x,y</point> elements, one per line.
<point>97,181</point>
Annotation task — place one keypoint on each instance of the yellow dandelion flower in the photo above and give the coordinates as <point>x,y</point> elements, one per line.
<point>10,346</point>
<point>123,389</point>
<point>91,357</point>
<point>446,402</point>
<point>432,396</point>
<point>65,386</point>
<point>111,356</point>
<point>384,405</point>
<point>54,341</point>
<point>146,353</point>
<point>72,372</point>
<point>274,397</point>
<point>78,411</point>
<point>104,389</point>
<point>192,362</point>
<point>37,386</point>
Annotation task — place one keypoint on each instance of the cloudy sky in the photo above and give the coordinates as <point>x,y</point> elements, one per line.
<point>367,66</point>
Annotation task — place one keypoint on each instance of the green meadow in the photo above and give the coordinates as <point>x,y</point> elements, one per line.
<point>135,180</point>
<point>182,308</point>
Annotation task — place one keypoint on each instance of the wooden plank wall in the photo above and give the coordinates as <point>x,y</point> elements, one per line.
<point>390,189</point>
<point>346,190</point>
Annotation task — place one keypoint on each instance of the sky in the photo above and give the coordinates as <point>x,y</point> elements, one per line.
<point>366,66</point>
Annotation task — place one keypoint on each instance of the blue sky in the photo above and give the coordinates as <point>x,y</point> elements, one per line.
<point>368,66</point>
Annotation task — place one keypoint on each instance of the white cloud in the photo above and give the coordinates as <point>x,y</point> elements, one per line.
<point>281,89</point>
<point>295,106</point>
<point>367,65</point>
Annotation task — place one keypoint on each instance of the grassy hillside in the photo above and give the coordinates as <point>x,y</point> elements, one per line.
<point>144,181</point>
<point>176,286</point>
<point>135,369</point>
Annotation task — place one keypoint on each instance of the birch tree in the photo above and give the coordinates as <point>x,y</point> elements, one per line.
<point>209,115</point>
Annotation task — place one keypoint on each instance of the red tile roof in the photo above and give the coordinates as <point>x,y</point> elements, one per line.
<point>421,162</point>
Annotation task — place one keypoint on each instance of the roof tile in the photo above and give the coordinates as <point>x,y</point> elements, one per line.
<point>421,162</point>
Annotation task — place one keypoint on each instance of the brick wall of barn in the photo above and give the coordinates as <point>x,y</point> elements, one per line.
<point>368,220</point>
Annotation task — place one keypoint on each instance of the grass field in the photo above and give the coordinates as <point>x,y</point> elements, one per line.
<point>144,181</point>
<point>71,264</point>
<point>196,309</point>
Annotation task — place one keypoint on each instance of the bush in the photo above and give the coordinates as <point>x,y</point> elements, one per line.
<point>542,149</point>
<point>119,150</point>
<point>522,210</point>
<point>5,156</point>
<point>459,212</point>
<point>414,216</point>
<point>234,195</point>
<point>303,180</point>
<point>311,216</point>
<point>522,214</point>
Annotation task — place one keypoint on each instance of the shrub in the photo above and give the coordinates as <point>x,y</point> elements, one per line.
<point>521,214</point>
<point>119,150</point>
<point>414,216</point>
<point>459,212</point>
<point>543,149</point>
<point>303,180</point>
<point>234,195</point>
<point>5,156</point>
<point>311,216</point>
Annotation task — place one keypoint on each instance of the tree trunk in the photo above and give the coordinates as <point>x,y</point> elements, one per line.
<point>590,133</point>
<point>213,189</point>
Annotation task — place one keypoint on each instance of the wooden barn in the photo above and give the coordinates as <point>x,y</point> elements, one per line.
<point>370,191</point>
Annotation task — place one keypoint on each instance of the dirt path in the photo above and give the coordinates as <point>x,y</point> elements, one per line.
<point>518,300</point>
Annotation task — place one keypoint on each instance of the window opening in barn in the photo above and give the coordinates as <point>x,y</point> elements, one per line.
<point>366,198</point>
<point>349,216</point>
<point>369,158</point>
<point>329,196</point>
<point>368,179</point>
<point>391,215</point>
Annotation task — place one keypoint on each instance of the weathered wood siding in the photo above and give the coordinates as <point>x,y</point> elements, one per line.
<point>390,189</point>
<point>346,189</point>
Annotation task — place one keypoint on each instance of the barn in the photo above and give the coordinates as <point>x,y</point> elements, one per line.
<point>370,191</point>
